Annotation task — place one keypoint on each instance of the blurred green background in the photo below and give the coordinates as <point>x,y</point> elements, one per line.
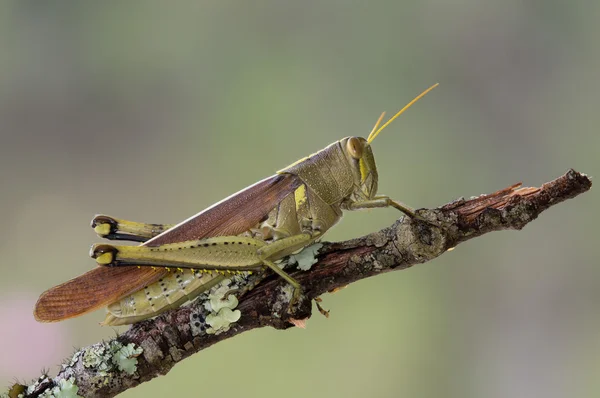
<point>152,111</point>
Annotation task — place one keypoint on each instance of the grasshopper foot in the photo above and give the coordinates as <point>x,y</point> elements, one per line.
<point>296,295</point>
<point>296,301</point>
<point>422,219</point>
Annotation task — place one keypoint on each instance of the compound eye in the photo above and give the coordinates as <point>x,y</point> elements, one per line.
<point>355,147</point>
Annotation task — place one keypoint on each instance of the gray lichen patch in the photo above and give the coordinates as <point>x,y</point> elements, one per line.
<point>519,214</point>
<point>377,239</point>
<point>286,292</point>
<point>422,242</point>
<point>197,321</point>
<point>74,360</point>
<point>383,261</point>
<point>111,357</point>
<point>38,384</point>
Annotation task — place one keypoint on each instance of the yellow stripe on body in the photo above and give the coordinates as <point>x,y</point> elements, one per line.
<point>300,196</point>
<point>363,170</point>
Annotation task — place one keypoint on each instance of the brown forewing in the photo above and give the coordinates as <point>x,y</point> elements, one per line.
<point>103,285</point>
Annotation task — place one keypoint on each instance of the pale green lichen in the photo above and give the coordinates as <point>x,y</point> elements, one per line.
<point>109,357</point>
<point>217,303</point>
<point>221,308</point>
<point>126,358</point>
<point>217,293</point>
<point>66,389</point>
<point>93,357</point>
<point>307,257</point>
<point>221,321</point>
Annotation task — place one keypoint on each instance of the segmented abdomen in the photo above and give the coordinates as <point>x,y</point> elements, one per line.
<point>171,291</point>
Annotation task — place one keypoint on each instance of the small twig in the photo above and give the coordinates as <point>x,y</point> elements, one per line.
<point>171,337</point>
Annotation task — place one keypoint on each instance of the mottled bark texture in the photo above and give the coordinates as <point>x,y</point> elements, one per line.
<point>178,334</point>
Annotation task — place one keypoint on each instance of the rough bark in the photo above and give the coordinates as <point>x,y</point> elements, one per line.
<point>171,337</point>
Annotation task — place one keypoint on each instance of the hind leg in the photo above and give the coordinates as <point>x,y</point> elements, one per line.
<point>116,229</point>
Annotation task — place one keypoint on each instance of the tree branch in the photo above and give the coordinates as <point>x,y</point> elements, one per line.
<point>103,369</point>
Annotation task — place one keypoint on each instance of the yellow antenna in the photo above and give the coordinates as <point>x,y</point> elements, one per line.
<point>377,123</point>
<point>418,97</point>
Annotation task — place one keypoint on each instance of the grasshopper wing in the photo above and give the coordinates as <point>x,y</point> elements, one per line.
<point>103,285</point>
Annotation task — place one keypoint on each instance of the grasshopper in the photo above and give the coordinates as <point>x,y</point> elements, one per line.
<point>247,232</point>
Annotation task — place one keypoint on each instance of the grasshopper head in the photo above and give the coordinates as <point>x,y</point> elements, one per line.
<point>360,156</point>
<point>359,153</point>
